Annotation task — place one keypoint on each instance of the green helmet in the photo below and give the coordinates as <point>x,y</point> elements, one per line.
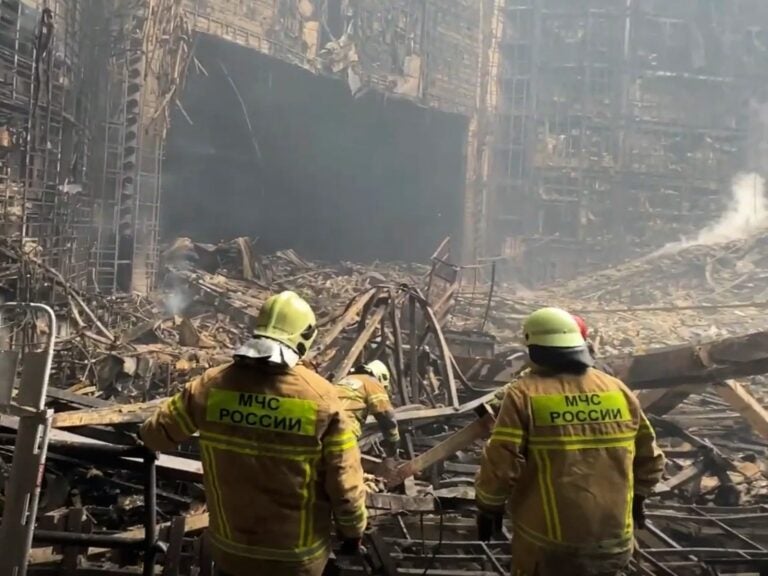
<point>288,319</point>
<point>378,370</point>
<point>553,328</point>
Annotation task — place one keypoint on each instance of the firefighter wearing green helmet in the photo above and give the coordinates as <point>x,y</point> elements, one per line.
<point>280,459</point>
<point>572,458</point>
<point>366,392</point>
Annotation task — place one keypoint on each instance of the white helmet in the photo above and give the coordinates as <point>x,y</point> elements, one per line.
<point>378,370</point>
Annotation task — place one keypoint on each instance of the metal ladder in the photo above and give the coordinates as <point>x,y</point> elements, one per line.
<point>34,424</point>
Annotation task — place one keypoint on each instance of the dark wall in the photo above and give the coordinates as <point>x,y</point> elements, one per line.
<point>334,177</point>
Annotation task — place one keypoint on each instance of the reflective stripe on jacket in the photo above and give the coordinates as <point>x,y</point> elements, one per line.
<point>363,395</point>
<point>567,454</point>
<point>278,460</point>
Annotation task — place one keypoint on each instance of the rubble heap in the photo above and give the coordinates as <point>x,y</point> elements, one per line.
<point>679,294</point>
<point>119,357</point>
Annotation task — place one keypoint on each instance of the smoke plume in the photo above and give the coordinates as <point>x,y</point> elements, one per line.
<point>746,214</point>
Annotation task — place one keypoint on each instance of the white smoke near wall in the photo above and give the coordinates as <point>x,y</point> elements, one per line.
<point>746,214</point>
<point>176,301</point>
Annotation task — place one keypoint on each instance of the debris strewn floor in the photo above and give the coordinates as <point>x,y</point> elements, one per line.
<point>118,357</point>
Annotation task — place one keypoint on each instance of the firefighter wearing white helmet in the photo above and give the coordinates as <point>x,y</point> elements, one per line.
<point>366,391</point>
<point>280,460</point>
<point>572,458</point>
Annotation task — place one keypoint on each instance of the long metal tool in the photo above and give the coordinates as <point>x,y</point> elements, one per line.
<point>23,488</point>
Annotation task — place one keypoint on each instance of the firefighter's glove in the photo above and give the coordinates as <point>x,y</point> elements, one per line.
<point>638,511</point>
<point>351,547</point>
<point>488,525</point>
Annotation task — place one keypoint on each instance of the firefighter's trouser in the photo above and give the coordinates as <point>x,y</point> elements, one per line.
<point>274,568</point>
<point>530,560</point>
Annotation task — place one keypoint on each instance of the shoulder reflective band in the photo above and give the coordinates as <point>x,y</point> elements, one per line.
<point>585,408</point>
<point>264,412</point>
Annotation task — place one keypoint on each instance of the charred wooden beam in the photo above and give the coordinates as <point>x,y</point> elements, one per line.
<point>192,523</point>
<point>352,311</point>
<point>465,437</point>
<point>171,467</point>
<point>116,414</point>
<point>357,347</point>
<point>707,363</point>
<point>745,404</point>
<point>661,401</point>
<point>691,364</point>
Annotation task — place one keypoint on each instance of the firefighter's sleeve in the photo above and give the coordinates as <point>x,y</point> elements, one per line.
<point>344,476</point>
<point>380,406</point>
<point>501,393</point>
<point>173,422</point>
<point>503,459</point>
<point>649,459</point>
<point>498,399</point>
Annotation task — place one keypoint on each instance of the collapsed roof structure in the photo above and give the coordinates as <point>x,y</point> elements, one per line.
<point>123,356</point>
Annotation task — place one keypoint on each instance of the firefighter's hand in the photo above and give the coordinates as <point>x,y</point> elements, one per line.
<point>638,511</point>
<point>391,450</point>
<point>139,443</point>
<point>351,547</point>
<point>488,525</point>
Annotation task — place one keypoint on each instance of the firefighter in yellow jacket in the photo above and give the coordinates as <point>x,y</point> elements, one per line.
<point>279,459</point>
<point>366,391</point>
<point>572,457</point>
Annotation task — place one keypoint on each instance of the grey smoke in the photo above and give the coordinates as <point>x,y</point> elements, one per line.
<point>747,213</point>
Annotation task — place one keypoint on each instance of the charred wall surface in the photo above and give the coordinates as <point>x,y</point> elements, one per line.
<point>424,51</point>
<point>621,125</point>
<point>87,88</point>
<point>141,71</point>
<point>45,203</point>
<point>295,159</point>
<point>420,52</point>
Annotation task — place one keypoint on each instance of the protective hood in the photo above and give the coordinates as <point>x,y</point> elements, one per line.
<point>268,350</point>
<point>558,360</point>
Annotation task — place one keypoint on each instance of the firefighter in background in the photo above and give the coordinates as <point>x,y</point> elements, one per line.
<point>366,391</point>
<point>572,457</point>
<point>584,329</point>
<point>279,457</point>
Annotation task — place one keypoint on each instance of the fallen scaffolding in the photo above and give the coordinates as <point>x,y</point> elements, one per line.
<point>118,358</point>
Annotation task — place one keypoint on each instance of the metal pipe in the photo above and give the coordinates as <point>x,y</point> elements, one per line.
<point>487,551</point>
<point>413,350</point>
<point>728,529</point>
<point>399,359</point>
<point>746,554</point>
<point>151,545</point>
<point>100,540</point>
<point>23,490</point>
<point>656,564</point>
<point>490,297</point>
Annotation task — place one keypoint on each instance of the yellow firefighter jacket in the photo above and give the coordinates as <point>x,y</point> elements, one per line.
<point>498,398</point>
<point>566,455</point>
<point>362,395</point>
<point>278,459</point>
<point>501,393</point>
